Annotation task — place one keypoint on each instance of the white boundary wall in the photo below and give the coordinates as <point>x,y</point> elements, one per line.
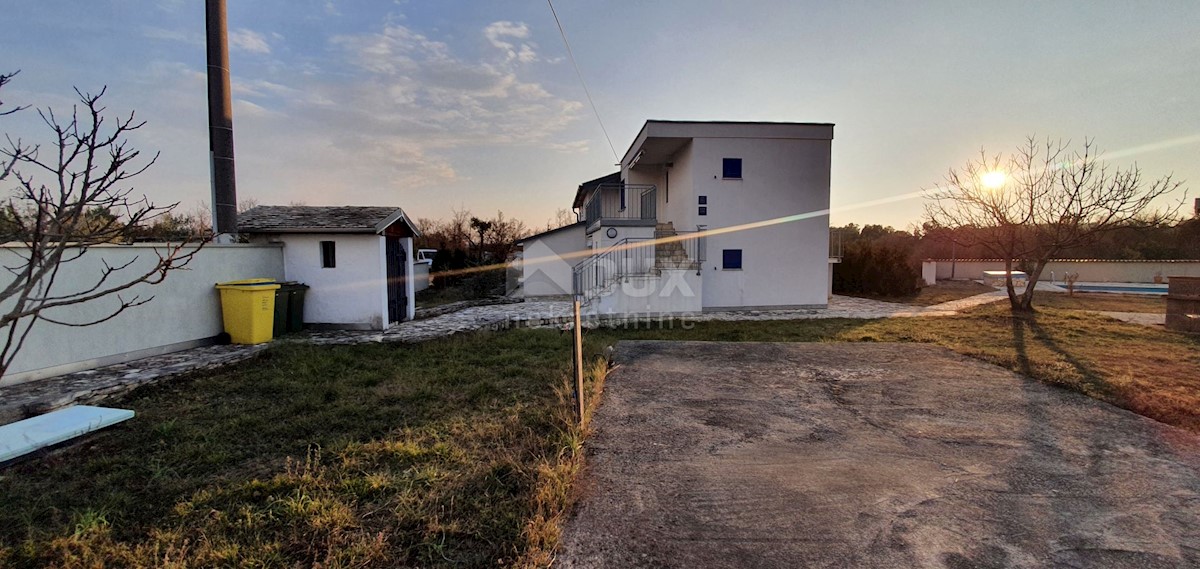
<point>1100,271</point>
<point>185,312</point>
<point>420,275</point>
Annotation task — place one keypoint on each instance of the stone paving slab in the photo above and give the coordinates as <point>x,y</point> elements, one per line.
<point>1143,318</point>
<point>92,386</point>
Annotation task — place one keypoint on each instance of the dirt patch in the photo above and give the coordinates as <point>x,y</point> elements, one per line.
<point>872,455</point>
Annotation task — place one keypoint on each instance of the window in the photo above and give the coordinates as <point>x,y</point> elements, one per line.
<point>703,210</point>
<point>703,200</point>
<point>731,168</point>
<point>731,259</point>
<point>328,258</point>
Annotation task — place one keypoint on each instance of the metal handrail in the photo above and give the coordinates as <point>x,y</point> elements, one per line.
<point>637,256</point>
<point>627,257</point>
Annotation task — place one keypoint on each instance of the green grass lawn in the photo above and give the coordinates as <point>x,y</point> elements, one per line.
<point>944,291</point>
<point>453,453</point>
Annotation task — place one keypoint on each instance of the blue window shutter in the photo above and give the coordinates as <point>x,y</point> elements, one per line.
<point>731,259</point>
<point>731,167</point>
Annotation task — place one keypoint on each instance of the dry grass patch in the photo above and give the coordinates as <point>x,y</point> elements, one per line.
<point>1147,370</point>
<point>944,291</point>
<point>454,453</point>
<point>1101,301</point>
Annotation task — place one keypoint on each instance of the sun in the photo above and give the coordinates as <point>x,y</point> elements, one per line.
<point>993,180</point>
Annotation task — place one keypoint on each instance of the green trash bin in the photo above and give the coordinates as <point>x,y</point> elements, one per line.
<point>295,311</point>
<point>279,325</point>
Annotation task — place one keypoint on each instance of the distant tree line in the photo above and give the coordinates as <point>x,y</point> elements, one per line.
<point>471,251</point>
<point>885,261</point>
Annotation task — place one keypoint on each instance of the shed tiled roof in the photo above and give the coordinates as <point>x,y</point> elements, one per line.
<point>319,219</point>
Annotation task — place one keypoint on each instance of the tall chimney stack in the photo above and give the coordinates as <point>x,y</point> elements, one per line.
<point>220,121</point>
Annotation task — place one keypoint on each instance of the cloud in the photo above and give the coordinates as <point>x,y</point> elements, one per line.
<point>499,34</point>
<point>380,116</point>
<point>180,36</point>
<point>417,85</point>
<point>249,41</point>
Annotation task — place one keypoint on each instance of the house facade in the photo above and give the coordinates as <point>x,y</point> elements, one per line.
<point>707,216</point>
<point>356,260</point>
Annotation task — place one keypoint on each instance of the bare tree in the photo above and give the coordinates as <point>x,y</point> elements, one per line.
<point>562,218</point>
<point>68,197</point>
<point>1032,205</point>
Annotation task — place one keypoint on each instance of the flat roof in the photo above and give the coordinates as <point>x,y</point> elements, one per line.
<point>656,128</point>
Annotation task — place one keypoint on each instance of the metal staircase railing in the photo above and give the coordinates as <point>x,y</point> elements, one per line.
<point>637,256</point>
<point>625,258</point>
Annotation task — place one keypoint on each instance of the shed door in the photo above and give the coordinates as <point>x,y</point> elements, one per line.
<point>396,301</point>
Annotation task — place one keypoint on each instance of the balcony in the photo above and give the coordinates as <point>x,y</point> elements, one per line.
<point>621,204</point>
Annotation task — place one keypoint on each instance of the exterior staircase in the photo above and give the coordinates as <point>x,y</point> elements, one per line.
<point>644,275</point>
<point>670,254</point>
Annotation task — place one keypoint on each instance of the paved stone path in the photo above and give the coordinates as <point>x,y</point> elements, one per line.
<point>86,387</point>
<point>1143,318</point>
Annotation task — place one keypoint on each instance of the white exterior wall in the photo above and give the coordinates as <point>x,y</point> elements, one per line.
<point>601,240</point>
<point>547,261</point>
<point>670,292</point>
<point>786,264</point>
<point>185,311</point>
<point>354,292</point>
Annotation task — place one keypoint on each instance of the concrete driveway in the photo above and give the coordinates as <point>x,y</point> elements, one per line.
<point>871,455</point>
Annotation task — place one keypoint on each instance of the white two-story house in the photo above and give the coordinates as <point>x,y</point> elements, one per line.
<point>702,216</point>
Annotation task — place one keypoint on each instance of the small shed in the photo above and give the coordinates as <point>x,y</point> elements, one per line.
<point>357,260</point>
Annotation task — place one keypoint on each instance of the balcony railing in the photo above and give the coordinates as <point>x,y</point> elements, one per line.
<point>621,203</point>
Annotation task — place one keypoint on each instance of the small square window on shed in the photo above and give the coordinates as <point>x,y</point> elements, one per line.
<point>703,210</point>
<point>731,168</point>
<point>731,259</point>
<point>328,255</point>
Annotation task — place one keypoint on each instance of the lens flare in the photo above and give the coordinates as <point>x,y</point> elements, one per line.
<point>993,180</point>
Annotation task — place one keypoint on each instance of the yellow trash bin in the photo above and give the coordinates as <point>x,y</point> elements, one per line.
<point>248,309</point>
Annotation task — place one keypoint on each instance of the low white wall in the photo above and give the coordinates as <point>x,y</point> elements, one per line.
<point>673,291</point>
<point>1089,270</point>
<point>420,275</point>
<point>185,311</point>
<point>928,272</point>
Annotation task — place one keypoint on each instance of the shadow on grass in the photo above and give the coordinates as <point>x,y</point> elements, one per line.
<point>1089,382</point>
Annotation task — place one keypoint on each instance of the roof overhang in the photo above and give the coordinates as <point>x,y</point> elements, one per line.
<point>582,192</point>
<point>659,140</point>
<point>577,224</point>
<point>397,216</point>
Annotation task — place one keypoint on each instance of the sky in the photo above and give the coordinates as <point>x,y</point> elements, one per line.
<point>442,105</point>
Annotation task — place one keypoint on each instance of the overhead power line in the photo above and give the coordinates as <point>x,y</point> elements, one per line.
<point>571,55</point>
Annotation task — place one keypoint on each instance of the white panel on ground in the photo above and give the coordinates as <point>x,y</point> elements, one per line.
<point>23,437</point>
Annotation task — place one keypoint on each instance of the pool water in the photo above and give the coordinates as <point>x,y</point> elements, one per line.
<point>1144,289</point>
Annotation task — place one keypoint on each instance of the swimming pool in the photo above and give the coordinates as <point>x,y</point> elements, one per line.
<point>1135,289</point>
